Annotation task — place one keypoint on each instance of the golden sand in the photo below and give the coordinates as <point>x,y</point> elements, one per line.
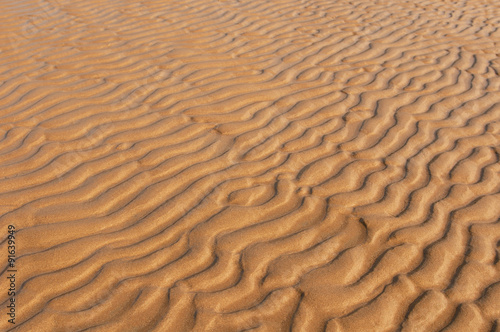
<point>250,165</point>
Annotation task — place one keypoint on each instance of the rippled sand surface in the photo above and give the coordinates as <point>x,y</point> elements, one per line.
<point>238,165</point>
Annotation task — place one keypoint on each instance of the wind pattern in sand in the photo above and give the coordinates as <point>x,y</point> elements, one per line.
<point>264,165</point>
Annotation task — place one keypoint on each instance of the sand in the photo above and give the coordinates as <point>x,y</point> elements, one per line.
<point>265,165</point>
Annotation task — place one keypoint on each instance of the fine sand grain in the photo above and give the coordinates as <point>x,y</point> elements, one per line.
<point>251,165</point>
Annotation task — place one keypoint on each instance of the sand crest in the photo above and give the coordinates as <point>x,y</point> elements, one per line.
<point>237,165</point>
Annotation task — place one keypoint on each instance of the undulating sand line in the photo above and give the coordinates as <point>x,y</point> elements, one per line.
<point>259,165</point>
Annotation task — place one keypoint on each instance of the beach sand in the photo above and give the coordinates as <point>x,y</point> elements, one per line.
<point>266,165</point>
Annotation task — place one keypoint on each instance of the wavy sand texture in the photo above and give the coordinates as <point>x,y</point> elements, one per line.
<point>263,165</point>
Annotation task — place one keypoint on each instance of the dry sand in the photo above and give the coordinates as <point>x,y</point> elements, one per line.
<point>264,165</point>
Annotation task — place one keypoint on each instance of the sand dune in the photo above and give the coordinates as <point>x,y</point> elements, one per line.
<point>237,165</point>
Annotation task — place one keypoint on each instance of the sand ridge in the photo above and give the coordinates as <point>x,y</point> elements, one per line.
<point>251,165</point>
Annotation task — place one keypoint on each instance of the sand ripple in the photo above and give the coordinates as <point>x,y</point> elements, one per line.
<point>260,165</point>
